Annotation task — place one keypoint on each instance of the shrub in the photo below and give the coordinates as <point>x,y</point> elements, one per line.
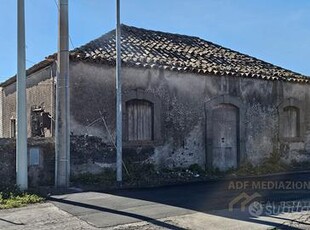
<point>106,177</point>
<point>195,168</point>
<point>12,197</point>
<point>14,201</point>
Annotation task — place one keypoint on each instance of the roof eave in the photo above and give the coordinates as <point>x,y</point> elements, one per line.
<point>39,66</point>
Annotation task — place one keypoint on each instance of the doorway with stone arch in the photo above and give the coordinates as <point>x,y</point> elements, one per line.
<point>224,133</point>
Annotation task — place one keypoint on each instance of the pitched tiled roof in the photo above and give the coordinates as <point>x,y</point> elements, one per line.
<point>154,49</point>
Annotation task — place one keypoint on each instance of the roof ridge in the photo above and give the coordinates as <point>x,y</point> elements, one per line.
<point>149,48</point>
<point>158,31</point>
<point>130,27</point>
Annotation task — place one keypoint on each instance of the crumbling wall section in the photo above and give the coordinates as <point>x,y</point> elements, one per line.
<point>40,93</point>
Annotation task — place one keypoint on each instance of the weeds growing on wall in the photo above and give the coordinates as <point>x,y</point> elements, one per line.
<point>146,175</point>
<point>272,164</point>
<point>106,177</point>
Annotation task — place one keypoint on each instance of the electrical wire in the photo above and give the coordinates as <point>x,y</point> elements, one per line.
<point>70,39</point>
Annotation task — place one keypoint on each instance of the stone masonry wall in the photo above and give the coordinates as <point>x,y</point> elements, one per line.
<point>88,155</point>
<point>41,173</point>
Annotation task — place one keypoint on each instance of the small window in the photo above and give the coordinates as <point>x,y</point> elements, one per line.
<point>13,128</point>
<point>139,120</point>
<point>290,122</point>
<point>34,156</point>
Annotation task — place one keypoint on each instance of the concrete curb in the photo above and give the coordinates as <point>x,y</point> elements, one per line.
<point>266,175</point>
<point>218,179</point>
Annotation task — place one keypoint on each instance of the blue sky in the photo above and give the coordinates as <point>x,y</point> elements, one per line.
<point>276,31</point>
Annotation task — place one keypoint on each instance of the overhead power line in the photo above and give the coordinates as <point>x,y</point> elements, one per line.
<point>32,62</point>
<point>70,39</point>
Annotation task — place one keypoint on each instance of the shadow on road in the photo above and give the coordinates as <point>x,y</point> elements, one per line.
<point>206,197</point>
<point>122,213</point>
<point>11,222</point>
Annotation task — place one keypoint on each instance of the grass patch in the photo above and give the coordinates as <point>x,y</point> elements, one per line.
<point>12,197</point>
<point>19,200</point>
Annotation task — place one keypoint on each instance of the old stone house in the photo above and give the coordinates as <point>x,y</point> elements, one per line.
<point>185,101</point>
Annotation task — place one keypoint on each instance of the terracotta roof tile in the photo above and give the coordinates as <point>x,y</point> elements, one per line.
<point>153,49</point>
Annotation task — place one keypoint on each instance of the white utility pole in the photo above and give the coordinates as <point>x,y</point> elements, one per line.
<point>118,81</point>
<point>62,142</point>
<point>21,110</point>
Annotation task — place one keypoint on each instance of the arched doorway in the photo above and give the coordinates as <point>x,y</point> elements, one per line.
<point>225,136</point>
<point>225,132</point>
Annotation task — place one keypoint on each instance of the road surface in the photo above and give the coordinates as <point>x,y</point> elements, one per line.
<point>203,202</point>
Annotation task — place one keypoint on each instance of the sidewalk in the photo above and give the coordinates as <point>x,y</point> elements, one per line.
<point>215,222</point>
<point>47,216</point>
<point>43,216</point>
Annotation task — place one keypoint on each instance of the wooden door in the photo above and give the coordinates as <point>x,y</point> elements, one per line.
<point>225,130</point>
<point>139,120</point>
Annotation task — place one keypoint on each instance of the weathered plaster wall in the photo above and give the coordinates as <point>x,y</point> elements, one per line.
<point>182,115</point>
<point>40,89</point>
<point>261,118</point>
<point>181,120</point>
<point>181,140</point>
<point>298,149</point>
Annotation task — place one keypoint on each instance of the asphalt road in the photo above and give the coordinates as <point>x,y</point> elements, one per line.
<point>113,208</point>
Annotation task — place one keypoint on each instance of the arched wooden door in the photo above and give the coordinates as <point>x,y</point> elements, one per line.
<point>225,120</point>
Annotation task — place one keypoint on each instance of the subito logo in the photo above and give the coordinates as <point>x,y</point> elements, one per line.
<point>256,209</point>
